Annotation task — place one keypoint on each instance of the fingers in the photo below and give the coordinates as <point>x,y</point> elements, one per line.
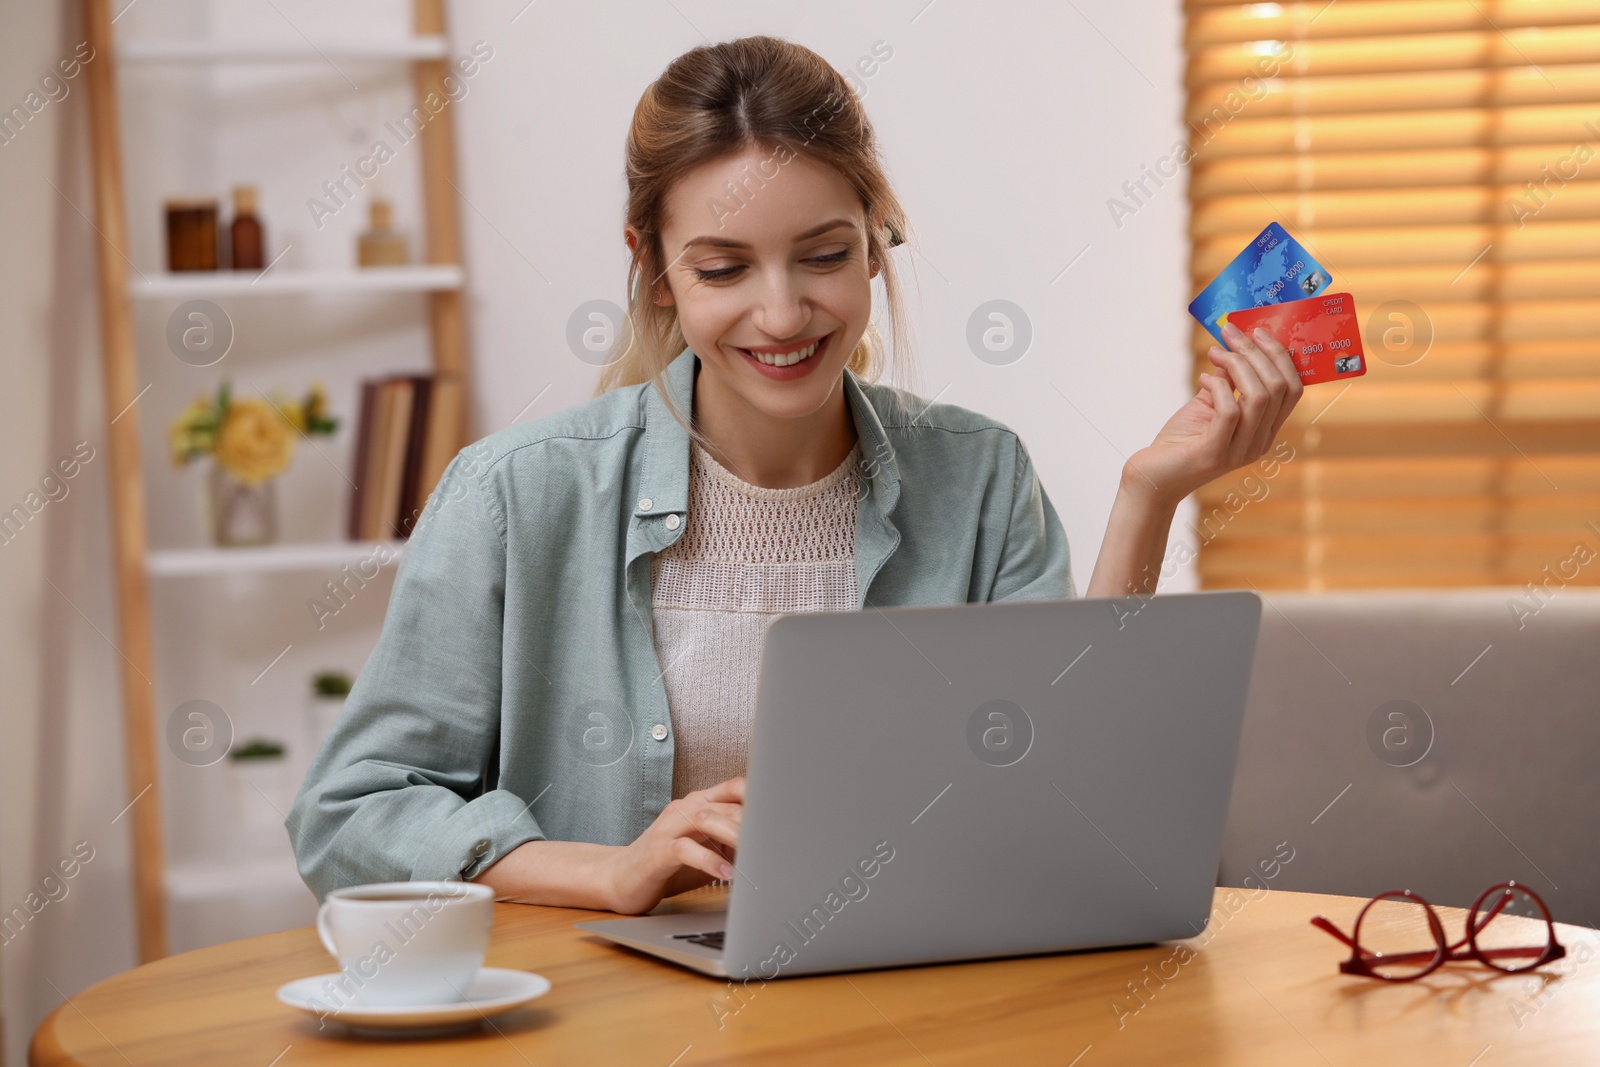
<point>732,791</point>
<point>1255,400</point>
<point>1291,375</point>
<point>690,853</point>
<point>1226,420</point>
<point>718,810</point>
<point>699,832</point>
<point>689,844</point>
<point>1278,358</point>
<point>695,816</point>
<point>720,823</point>
<point>1263,385</point>
<point>1282,362</point>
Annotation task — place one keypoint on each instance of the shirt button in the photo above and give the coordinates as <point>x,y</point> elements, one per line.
<point>645,504</point>
<point>672,522</point>
<point>481,848</point>
<point>659,732</point>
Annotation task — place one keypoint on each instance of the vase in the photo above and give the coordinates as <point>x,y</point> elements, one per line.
<point>240,514</point>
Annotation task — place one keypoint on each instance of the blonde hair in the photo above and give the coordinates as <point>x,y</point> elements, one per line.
<point>719,100</point>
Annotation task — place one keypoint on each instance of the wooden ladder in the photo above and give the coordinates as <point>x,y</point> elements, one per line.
<point>129,545</point>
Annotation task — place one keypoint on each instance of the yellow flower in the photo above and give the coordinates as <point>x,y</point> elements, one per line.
<point>255,442</point>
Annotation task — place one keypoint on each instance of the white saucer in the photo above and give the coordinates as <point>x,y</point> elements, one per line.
<point>494,990</point>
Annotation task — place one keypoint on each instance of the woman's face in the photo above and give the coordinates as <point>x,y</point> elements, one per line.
<point>779,267</point>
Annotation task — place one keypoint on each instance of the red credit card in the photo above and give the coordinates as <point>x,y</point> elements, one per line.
<point>1321,334</point>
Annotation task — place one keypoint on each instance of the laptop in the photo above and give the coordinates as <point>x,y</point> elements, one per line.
<point>956,782</point>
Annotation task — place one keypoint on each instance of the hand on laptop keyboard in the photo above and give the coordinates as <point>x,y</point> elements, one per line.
<point>690,844</point>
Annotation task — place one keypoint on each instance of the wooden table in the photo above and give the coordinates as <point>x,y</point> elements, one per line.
<point>1260,986</point>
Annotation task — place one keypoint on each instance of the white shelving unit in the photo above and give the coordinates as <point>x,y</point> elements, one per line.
<point>193,284</point>
<point>266,559</point>
<point>425,47</point>
<point>203,880</point>
<point>438,280</point>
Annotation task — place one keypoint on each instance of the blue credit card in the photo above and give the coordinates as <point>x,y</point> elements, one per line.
<point>1272,269</point>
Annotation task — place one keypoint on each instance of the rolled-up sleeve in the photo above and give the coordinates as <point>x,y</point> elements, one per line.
<point>1035,563</point>
<point>397,790</point>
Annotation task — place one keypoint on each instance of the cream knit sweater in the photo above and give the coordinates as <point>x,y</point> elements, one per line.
<point>748,554</point>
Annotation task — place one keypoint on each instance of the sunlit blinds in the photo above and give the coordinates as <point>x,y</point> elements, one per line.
<point>1442,159</point>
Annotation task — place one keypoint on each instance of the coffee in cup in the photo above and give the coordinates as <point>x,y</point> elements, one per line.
<point>406,943</point>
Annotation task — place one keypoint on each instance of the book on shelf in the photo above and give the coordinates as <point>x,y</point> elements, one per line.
<point>408,430</point>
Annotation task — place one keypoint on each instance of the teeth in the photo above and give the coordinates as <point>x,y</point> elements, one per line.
<point>786,359</point>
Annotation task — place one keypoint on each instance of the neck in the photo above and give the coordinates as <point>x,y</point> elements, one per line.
<point>774,453</point>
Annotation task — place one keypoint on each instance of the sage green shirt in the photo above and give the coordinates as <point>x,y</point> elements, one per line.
<point>515,694</point>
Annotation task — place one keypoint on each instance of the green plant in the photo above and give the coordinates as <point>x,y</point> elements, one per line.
<point>331,684</point>
<point>257,748</point>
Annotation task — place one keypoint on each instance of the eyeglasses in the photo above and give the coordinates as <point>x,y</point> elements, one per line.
<point>1398,936</point>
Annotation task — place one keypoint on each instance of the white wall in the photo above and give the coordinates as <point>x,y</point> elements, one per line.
<point>1005,128</point>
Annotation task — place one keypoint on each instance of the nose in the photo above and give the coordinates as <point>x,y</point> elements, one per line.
<point>782,311</point>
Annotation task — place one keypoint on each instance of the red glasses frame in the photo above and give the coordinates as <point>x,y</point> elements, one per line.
<point>1361,961</point>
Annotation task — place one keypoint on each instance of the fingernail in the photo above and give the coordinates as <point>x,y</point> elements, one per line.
<point>1231,329</point>
<point>726,871</point>
<point>1261,334</point>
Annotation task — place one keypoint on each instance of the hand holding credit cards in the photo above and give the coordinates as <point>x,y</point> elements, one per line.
<point>1274,284</point>
<point>1241,406</point>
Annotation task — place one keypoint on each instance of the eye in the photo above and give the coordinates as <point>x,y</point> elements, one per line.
<point>830,259</point>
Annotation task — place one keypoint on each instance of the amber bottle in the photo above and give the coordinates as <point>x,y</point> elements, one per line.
<point>245,235</point>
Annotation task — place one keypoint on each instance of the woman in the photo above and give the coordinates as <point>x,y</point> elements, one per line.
<point>558,705</point>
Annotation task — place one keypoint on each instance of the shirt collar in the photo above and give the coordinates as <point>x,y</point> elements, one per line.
<point>664,481</point>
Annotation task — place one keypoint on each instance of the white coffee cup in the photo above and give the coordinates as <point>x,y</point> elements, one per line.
<point>406,943</point>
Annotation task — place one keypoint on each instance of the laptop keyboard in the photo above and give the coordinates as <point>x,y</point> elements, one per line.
<point>710,939</point>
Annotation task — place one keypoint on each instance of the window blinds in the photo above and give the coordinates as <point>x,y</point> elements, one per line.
<point>1442,159</point>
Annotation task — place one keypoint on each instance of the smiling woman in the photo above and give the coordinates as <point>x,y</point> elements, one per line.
<point>757,214</point>
<point>560,702</point>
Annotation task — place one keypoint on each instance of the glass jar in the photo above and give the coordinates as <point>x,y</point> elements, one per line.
<point>240,514</point>
<point>382,245</point>
<point>191,234</point>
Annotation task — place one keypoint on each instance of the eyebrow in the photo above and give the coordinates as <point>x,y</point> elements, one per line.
<point>723,242</point>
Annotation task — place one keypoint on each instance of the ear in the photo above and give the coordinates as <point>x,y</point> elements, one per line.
<point>662,295</point>
<point>877,221</point>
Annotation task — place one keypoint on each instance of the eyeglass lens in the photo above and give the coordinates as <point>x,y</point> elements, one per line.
<point>1396,937</point>
<point>1507,941</point>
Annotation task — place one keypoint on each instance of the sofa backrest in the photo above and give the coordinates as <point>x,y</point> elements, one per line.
<point>1433,741</point>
